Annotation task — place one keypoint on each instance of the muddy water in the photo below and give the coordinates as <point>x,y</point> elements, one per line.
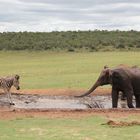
<point>59,102</point>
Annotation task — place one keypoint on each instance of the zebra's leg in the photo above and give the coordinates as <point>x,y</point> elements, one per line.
<point>9,96</point>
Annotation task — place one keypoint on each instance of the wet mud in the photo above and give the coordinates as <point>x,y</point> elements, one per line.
<point>29,101</point>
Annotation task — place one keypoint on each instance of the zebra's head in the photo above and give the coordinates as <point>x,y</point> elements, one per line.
<point>16,82</point>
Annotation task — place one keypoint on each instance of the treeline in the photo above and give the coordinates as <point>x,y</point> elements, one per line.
<point>71,40</point>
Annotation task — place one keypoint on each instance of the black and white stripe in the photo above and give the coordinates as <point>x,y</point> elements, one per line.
<point>7,82</point>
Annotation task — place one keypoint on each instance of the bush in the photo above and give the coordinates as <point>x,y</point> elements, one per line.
<point>70,40</point>
<point>71,50</point>
<point>120,46</point>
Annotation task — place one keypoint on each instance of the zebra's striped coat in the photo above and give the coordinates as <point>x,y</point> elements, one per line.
<point>7,82</point>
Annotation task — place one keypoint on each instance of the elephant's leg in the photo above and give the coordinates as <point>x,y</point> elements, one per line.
<point>129,96</point>
<point>137,101</point>
<point>115,94</point>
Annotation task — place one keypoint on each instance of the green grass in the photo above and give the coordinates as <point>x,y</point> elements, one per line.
<point>89,128</point>
<point>42,70</point>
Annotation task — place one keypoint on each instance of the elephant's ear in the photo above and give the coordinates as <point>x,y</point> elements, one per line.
<point>117,78</point>
<point>106,67</point>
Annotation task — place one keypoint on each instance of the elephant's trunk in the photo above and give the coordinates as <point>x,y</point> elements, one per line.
<point>90,90</point>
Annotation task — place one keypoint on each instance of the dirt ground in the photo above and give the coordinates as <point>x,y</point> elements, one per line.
<point>11,113</point>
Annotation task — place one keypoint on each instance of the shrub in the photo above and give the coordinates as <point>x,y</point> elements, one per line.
<point>120,46</point>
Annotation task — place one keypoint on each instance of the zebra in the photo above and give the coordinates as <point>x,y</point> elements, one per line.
<point>7,82</point>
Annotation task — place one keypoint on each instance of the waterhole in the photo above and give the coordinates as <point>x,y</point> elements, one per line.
<point>25,101</point>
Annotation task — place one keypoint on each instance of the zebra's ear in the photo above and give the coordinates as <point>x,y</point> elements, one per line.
<point>17,77</point>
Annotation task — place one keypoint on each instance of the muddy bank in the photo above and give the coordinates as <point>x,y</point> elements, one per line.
<point>121,123</point>
<point>34,101</point>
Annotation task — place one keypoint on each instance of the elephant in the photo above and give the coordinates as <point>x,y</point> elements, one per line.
<point>122,79</point>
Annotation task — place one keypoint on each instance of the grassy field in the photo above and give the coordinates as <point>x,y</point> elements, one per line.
<point>89,128</point>
<point>42,70</point>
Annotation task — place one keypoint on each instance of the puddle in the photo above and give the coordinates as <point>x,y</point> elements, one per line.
<point>59,102</point>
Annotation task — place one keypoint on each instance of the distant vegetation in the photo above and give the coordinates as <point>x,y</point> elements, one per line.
<point>71,40</point>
